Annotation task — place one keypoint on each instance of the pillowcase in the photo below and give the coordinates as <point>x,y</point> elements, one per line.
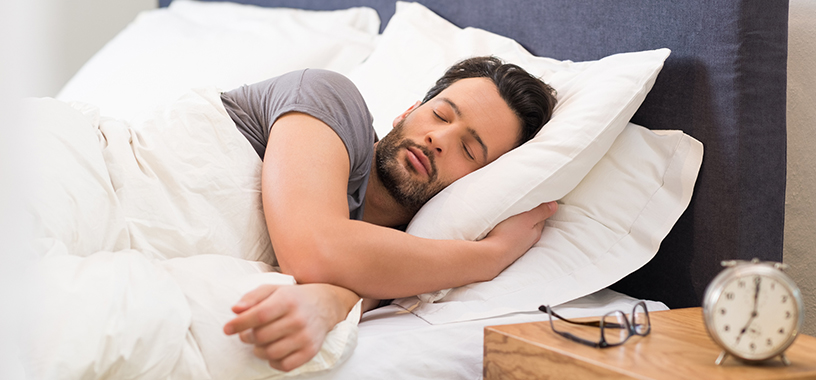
<point>595,101</point>
<point>165,52</point>
<point>610,225</point>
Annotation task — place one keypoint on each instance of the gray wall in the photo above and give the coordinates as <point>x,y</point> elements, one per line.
<point>800,199</point>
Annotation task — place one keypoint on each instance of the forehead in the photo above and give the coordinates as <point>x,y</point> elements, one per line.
<point>478,104</point>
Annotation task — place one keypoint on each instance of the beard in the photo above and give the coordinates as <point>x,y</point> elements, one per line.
<point>410,193</point>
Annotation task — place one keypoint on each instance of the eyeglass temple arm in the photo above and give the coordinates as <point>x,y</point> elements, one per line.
<point>577,339</point>
<point>543,308</point>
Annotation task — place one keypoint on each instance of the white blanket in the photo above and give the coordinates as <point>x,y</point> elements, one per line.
<point>149,232</point>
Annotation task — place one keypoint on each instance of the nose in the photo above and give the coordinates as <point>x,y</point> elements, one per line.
<point>438,140</point>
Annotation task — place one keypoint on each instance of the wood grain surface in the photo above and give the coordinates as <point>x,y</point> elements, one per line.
<point>677,348</point>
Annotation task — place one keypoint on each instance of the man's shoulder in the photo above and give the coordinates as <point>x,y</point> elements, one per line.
<point>337,95</point>
<point>328,80</point>
<point>323,74</point>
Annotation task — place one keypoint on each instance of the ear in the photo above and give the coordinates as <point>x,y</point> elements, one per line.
<point>405,114</point>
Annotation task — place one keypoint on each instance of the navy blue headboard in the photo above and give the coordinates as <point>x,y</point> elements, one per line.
<point>724,84</point>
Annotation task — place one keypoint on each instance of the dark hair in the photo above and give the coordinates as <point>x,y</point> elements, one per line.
<point>531,99</point>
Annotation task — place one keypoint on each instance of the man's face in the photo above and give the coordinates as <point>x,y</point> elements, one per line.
<point>465,127</point>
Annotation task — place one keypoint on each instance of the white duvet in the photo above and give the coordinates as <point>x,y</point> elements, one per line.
<point>149,232</point>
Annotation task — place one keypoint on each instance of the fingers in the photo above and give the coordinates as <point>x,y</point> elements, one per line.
<point>247,336</point>
<point>545,211</point>
<point>553,207</point>
<point>281,349</point>
<point>271,332</point>
<point>539,214</point>
<point>253,298</point>
<point>290,352</point>
<point>277,351</point>
<point>252,312</point>
<point>294,360</point>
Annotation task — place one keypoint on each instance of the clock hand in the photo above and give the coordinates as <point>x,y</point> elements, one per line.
<point>744,329</point>
<point>757,281</point>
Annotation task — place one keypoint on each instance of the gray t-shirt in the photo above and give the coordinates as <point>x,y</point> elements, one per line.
<point>325,95</point>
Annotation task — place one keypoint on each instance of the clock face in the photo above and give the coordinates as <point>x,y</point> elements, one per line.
<point>755,316</point>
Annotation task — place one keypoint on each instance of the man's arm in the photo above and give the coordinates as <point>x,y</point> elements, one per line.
<point>304,181</point>
<point>288,324</point>
<point>305,176</point>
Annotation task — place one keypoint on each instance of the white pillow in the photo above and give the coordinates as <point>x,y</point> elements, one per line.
<point>595,101</point>
<point>610,225</point>
<point>167,51</point>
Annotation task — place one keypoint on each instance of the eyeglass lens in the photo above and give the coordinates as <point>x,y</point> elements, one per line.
<point>640,320</point>
<point>615,327</point>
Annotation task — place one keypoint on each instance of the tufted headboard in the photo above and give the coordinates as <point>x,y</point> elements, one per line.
<point>724,84</point>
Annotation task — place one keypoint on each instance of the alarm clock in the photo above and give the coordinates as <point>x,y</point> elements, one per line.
<point>753,310</point>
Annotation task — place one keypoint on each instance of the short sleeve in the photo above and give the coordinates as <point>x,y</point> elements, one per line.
<point>328,96</point>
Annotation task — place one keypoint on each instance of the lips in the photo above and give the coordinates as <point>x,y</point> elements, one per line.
<point>419,160</point>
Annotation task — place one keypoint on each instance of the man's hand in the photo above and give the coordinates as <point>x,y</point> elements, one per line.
<point>519,233</point>
<point>288,324</point>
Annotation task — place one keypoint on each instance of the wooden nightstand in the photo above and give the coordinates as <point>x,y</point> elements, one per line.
<point>677,348</point>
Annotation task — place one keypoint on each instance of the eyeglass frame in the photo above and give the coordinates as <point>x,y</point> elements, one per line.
<point>602,343</point>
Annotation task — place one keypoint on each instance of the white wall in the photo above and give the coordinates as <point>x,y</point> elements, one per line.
<point>73,30</point>
<point>42,44</point>
<point>800,199</point>
<point>15,20</point>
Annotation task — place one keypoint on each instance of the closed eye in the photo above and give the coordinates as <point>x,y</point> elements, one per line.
<point>439,117</point>
<point>467,152</point>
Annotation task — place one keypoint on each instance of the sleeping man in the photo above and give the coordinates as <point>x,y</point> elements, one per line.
<point>332,194</point>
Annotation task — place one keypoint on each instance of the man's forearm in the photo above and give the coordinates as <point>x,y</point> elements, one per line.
<point>370,304</point>
<point>382,263</point>
<point>379,262</point>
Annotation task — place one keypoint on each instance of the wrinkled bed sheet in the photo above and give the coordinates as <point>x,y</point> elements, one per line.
<point>148,233</point>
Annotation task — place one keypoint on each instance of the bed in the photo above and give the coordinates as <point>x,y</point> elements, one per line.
<point>699,77</point>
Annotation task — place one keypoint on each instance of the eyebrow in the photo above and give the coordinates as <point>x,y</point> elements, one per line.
<point>470,130</point>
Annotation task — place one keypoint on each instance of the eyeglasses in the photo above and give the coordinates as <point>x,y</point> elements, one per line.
<point>616,328</point>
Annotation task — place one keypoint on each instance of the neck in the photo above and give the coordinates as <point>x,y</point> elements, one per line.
<point>380,207</point>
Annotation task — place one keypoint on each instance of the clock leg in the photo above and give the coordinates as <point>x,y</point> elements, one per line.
<point>721,358</point>
<point>784,359</point>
